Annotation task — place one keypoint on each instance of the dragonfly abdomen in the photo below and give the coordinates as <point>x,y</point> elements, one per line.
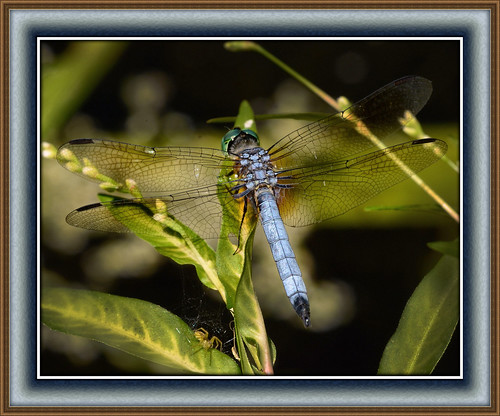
<point>282,252</point>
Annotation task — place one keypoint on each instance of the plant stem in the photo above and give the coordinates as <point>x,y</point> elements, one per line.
<point>238,46</point>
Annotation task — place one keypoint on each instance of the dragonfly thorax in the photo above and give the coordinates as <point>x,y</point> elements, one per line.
<point>254,170</point>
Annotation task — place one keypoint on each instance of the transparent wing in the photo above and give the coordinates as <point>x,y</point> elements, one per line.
<point>187,180</point>
<point>336,138</point>
<point>330,189</point>
<point>154,169</point>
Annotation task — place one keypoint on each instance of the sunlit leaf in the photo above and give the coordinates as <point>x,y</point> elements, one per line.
<point>137,327</point>
<point>427,323</point>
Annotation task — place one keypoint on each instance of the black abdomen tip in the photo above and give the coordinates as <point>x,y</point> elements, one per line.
<point>302,308</point>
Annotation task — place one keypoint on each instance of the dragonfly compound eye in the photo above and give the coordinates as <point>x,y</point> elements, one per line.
<point>229,137</point>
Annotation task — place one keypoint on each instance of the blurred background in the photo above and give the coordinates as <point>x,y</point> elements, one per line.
<point>360,269</point>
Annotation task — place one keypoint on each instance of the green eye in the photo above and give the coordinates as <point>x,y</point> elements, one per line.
<point>229,137</point>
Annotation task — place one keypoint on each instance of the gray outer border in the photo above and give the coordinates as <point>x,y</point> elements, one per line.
<point>25,390</point>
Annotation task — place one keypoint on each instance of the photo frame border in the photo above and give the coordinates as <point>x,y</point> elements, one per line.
<point>21,391</point>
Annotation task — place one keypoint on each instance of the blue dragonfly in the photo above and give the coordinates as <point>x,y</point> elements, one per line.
<point>315,173</point>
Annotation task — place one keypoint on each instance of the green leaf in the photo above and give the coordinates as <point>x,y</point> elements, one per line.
<point>246,117</point>
<point>235,270</point>
<point>427,323</point>
<point>231,258</point>
<point>137,327</point>
<point>255,349</point>
<point>170,238</point>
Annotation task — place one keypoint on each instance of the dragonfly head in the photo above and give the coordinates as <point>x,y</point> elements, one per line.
<point>237,140</point>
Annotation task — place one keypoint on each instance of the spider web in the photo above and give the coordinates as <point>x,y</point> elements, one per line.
<point>201,308</point>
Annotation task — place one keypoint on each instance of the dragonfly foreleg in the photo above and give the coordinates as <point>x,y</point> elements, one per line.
<point>241,225</point>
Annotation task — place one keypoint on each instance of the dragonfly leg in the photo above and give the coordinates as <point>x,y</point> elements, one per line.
<point>241,225</point>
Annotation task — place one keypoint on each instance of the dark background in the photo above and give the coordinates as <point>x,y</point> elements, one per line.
<point>210,81</point>
<point>380,257</point>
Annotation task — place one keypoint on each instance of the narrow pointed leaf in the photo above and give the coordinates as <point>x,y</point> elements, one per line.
<point>427,323</point>
<point>231,258</point>
<point>234,266</point>
<point>255,346</point>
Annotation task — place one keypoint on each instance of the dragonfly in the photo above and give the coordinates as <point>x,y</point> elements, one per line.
<point>315,173</point>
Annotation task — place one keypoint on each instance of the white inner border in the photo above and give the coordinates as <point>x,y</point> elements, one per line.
<point>191,377</point>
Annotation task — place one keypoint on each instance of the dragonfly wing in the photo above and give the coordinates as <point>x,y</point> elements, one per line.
<point>192,184</point>
<point>343,135</point>
<point>154,169</point>
<point>112,216</point>
<point>325,191</point>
